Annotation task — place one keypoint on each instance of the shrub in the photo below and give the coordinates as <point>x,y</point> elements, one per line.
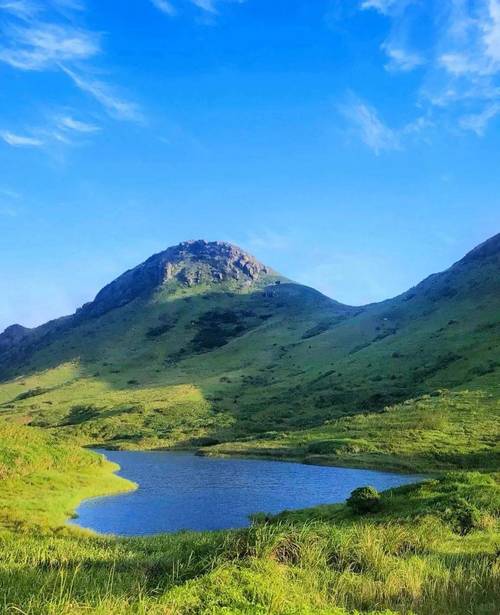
<point>364,500</point>
<point>463,516</point>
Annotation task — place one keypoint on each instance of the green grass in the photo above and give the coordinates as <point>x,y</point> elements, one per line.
<point>225,362</point>
<point>42,481</point>
<point>446,430</point>
<point>281,374</point>
<point>412,556</point>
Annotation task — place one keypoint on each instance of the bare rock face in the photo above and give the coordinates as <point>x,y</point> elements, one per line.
<point>189,263</point>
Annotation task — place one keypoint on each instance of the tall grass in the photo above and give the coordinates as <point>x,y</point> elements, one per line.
<point>414,555</point>
<point>279,568</point>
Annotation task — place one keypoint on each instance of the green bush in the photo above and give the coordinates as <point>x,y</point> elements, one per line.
<point>364,500</point>
<point>463,516</point>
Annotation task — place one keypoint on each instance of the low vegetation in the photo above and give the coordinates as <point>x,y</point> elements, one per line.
<point>429,548</point>
<point>445,430</point>
<point>42,481</point>
<point>268,368</point>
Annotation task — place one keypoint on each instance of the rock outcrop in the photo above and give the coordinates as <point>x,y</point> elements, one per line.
<point>189,263</point>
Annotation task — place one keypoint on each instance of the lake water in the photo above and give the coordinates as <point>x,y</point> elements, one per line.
<point>182,491</point>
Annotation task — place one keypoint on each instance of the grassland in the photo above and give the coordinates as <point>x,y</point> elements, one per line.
<point>430,549</point>
<point>442,431</point>
<point>151,374</point>
<point>42,480</point>
<point>410,384</point>
<point>222,361</point>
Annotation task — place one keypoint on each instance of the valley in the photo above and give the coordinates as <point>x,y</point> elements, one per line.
<point>203,348</point>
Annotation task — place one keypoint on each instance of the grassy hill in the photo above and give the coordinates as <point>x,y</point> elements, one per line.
<point>203,346</point>
<point>443,431</point>
<point>209,353</point>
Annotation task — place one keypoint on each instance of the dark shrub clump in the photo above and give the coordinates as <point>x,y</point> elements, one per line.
<point>364,500</point>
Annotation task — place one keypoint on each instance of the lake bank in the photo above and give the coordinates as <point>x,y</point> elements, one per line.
<point>183,491</point>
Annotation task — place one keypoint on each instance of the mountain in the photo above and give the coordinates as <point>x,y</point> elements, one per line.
<point>203,343</point>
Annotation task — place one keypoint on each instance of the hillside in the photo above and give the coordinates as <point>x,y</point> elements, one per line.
<point>202,344</point>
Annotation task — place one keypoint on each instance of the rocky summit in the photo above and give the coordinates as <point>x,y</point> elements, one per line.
<point>189,263</point>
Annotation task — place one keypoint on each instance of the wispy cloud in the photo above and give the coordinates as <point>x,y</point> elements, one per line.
<point>460,55</point>
<point>44,46</point>
<point>368,125</point>
<point>206,5</point>
<point>8,211</point>
<point>9,202</point>
<point>67,122</point>
<point>115,106</point>
<point>401,58</point>
<point>384,6</point>
<point>165,7</point>
<point>16,140</point>
<point>20,8</point>
<point>209,7</point>
<point>478,122</point>
<point>269,240</point>
<point>38,36</point>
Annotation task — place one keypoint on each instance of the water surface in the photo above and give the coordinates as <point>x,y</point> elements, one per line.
<point>182,491</point>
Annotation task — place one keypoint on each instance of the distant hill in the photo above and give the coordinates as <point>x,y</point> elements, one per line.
<point>202,343</point>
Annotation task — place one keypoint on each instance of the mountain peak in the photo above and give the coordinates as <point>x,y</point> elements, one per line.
<point>12,335</point>
<point>199,261</point>
<point>189,263</point>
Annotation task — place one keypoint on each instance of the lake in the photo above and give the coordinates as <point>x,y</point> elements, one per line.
<point>180,490</point>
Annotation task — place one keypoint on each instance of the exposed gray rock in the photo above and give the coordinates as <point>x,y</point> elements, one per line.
<point>189,263</point>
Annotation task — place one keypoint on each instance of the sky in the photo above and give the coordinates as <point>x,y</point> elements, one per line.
<point>353,145</point>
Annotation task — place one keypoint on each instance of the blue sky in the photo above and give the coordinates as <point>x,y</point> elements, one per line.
<point>352,145</point>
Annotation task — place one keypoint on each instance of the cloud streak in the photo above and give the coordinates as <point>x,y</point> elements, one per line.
<point>43,46</point>
<point>16,140</point>
<point>40,37</point>
<point>460,56</point>
<point>68,122</point>
<point>369,127</point>
<point>114,105</point>
<point>209,7</point>
<point>165,7</point>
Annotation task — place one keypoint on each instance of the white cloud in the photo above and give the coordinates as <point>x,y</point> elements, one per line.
<point>491,32</point>
<point>205,5</point>
<point>401,59</point>
<point>17,140</point>
<point>383,6</point>
<point>165,7</point>
<point>478,122</point>
<point>44,36</point>
<point>369,127</point>
<point>459,56</point>
<point>72,5</point>
<point>70,123</point>
<point>20,8</point>
<point>43,46</point>
<point>7,208</point>
<point>115,106</point>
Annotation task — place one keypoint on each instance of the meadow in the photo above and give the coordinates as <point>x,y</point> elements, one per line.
<point>430,548</point>
<point>269,369</point>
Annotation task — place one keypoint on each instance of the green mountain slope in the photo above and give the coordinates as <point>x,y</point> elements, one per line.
<point>202,343</point>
